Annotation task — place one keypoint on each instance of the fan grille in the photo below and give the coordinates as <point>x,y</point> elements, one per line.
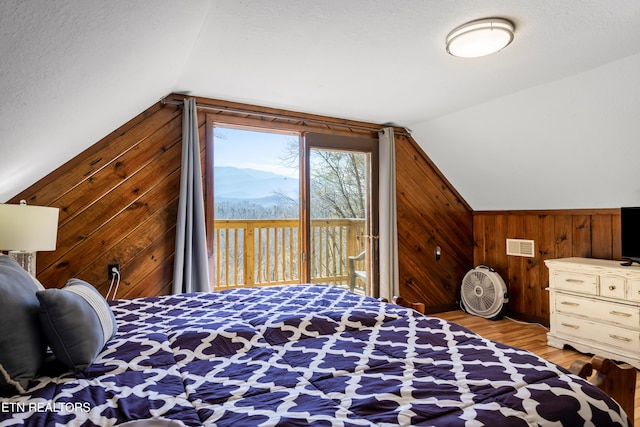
<point>483,292</point>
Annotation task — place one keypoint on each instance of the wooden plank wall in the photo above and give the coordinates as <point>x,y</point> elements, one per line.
<point>118,202</point>
<point>557,234</point>
<point>430,213</point>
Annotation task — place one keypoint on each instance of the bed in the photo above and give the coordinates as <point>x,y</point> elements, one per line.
<point>302,355</point>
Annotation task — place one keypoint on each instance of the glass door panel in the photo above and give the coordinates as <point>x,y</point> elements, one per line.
<point>338,208</point>
<point>256,208</point>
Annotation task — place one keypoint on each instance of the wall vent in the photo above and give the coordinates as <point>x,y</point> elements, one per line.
<point>520,247</point>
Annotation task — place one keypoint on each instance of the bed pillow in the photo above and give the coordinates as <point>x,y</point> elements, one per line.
<point>22,348</point>
<point>77,322</point>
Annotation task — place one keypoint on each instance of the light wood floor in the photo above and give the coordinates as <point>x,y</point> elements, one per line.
<point>526,336</point>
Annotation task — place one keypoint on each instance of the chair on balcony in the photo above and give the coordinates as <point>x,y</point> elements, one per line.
<point>357,275</point>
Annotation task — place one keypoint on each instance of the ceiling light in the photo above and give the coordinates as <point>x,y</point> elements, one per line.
<point>480,38</point>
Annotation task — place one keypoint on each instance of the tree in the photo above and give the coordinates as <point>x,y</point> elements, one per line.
<point>338,184</point>
<point>338,181</point>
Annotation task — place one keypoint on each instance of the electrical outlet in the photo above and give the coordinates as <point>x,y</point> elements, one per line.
<point>110,273</point>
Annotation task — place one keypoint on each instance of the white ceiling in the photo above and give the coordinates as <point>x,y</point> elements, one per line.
<point>74,70</point>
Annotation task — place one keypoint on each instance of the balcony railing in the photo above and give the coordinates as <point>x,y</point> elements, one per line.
<point>267,252</point>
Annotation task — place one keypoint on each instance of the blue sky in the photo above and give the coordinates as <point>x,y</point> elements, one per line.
<point>254,150</point>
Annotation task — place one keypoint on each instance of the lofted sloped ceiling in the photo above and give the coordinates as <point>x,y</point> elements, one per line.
<point>552,121</point>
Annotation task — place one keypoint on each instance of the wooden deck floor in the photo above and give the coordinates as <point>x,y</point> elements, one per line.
<point>526,336</point>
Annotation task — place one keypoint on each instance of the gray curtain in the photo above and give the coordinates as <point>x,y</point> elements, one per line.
<point>191,268</point>
<point>389,277</point>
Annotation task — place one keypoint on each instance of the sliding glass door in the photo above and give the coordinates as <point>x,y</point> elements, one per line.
<point>291,208</point>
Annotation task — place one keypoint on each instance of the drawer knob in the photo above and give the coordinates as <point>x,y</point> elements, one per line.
<point>612,288</point>
<point>619,338</point>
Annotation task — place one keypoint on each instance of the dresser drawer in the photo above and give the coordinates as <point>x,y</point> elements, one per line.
<point>576,282</point>
<point>634,290</point>
<point>572,304</point>
<point>599,310</point>
<point>627,339</point>
<point>612,286</point>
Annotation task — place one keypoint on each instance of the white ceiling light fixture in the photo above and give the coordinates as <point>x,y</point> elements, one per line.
<point>480,38</point>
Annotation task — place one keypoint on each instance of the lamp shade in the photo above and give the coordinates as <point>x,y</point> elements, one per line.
<point>28,228</point>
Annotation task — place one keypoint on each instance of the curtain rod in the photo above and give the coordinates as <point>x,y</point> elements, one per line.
<point>282,117</point>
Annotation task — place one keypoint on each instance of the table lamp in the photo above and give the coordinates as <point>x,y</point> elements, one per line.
<point>26,229</point>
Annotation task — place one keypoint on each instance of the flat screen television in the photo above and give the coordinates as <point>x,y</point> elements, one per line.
<point>630,228</point>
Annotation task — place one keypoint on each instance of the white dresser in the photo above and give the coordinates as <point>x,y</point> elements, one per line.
<point>595,307</point>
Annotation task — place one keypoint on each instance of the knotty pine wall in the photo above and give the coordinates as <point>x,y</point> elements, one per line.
<point>556,234</point>
<point>118,202</point>
<point>430,213</point>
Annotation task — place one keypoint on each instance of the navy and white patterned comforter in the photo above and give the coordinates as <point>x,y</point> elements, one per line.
<point>304,355</point>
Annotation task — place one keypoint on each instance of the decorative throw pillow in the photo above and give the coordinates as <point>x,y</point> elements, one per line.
<point>77,322</point>
<point>22,348</point>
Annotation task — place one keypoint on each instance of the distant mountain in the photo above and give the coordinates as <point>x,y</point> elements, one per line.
<point>240,184</point>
